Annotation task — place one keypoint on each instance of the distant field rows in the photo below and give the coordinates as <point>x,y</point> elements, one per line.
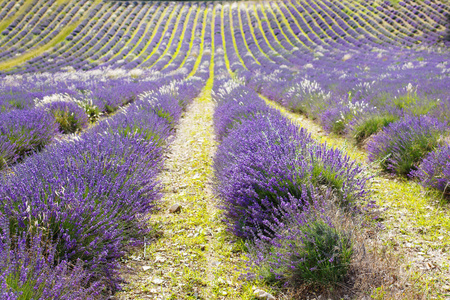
<point>49,37</point>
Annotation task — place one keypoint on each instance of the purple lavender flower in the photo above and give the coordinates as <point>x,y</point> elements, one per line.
<point>265,159</point>
<point>94,193</point>
<point>29,267</point>
<point>100,189</point>
<point>434,171</point>
<point>69,116</point>
<point>403,144</point>
<point>304,246</point>
<point>23,132</point>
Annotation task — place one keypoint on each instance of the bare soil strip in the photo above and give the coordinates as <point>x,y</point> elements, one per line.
<point>189,256</point>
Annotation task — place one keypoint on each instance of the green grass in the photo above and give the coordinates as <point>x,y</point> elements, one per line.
<point>370,126</point>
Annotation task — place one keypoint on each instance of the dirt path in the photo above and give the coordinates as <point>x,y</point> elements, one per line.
<point>190,257</point>
<point>175,262</point>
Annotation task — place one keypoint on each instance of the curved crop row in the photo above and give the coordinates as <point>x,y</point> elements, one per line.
<point>272,32</point>
<point>41,29</point>
<point>373,71</point>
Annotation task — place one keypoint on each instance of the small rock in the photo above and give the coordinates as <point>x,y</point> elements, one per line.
<point>260,294</point>
<point>157,281</point>
<point>145,268</point>
<point>160,259</point>
<point>175,208</point>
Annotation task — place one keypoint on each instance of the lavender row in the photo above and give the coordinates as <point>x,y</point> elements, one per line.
<point>44,60</point>
<point>81,44</point>
<point>31,16</point>
<point>359,108</point>
<point>237,106</point>
<point>15,22</point>
<point>87,45</point>
<point>275,182</point>
<point>87,200</point>
<point>277,42</point>
<point>98,48</point>
<point>65,106</point>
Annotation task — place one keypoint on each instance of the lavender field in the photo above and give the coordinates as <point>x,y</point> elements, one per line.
<point>224,150</point>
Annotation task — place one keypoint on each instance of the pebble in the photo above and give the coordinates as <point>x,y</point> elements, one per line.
<point>175,208</point>
<point>145,268</point>
<point>260,294</point>
<point>159,259</point>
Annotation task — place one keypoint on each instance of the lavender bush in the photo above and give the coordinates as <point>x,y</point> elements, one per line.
<point>304,248</point>
<point>275,183</point>
<point>235,105</point>
<point>111,95</point>
<point>334,119</point>
<point>137,121</point>
<point>306,96</point>
<point>17,99</point>
<point>94,196</point>
<point>403,144</point>
<point>30,270</point>
<point>434,171</point>
<point>370,124</point>
<point>69,116</point>
<point>8,153</point>
<point>265,159</point>
<point>23,132</point>
<point>256,166</point>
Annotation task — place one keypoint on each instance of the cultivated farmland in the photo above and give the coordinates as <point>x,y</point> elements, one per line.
<point>224,150</point>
